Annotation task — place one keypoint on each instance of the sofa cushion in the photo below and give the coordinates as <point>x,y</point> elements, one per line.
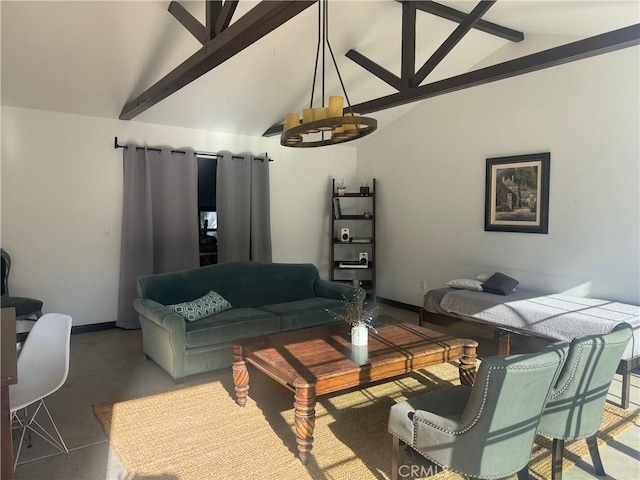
<point>224,327</point>
<point>228,279</point>
<point>271,283</point>
<point>305,313</point>
<point>210,304</point>
<point>243,284</point>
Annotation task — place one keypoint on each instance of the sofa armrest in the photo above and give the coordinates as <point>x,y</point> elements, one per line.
<point>160,315</point>
<point>336,290</point>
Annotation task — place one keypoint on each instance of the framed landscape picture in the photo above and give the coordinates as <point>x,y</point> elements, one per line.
<point>517,193</point>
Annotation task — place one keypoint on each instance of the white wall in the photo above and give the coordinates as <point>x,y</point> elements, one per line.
<point>62,184</point>
<point>430,168</point>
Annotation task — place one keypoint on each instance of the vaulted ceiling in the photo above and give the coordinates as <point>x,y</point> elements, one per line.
<point>92,57</point>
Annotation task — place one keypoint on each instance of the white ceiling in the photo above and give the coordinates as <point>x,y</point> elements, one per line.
<point>90,57</point>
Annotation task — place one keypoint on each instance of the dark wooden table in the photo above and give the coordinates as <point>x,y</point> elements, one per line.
<point>320,360</point>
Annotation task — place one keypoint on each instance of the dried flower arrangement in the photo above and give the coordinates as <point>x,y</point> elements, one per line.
<point>355,312</point>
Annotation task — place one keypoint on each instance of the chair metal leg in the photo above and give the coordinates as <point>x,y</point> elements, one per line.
<point>30,424</point>
<point>592,443</point>
<point>557,452</point>
<point>524,473</point>
<point>29,439</point>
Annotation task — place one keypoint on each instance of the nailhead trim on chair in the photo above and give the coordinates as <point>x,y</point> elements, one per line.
<point>475,420</point>
<point>484,399</point>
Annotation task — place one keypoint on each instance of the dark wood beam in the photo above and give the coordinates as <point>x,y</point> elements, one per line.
<point>579,50</point>
<point>251,27</point>
<point>408,55</point>
<point>189,22</point>
<point>454,15</point>
<point>371,66</point>
<point>453,39</point>
<point>224,19</point>
<point>213,9</point>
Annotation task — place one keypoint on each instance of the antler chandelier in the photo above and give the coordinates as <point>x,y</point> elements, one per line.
<point>330,124</point>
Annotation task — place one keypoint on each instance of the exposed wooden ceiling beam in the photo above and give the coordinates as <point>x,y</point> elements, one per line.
<point>408,48</point>
<point>454,15</point>
<point>188,21</point>
<point>252,26</point>
<point>581,49</point>
<point>453,39</point>
<point>372,67</point>
<point>224,19</point>
<point>213,9</point>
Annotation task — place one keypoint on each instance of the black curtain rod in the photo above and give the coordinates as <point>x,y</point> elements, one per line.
<point>199,154</point>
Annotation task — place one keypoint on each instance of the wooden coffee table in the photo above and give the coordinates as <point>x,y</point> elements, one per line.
<point>320,360</point>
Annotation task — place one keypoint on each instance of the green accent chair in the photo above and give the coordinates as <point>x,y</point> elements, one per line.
<point>484,431</point>
<point>576,404</point>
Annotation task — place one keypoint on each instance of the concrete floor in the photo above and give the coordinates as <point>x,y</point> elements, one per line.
<point>110,365</point>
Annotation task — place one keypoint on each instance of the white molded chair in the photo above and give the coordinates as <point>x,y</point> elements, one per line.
<point>43,365</point>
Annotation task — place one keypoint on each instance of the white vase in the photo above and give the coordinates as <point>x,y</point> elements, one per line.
<point>359,335</point>
<point>360,355</point>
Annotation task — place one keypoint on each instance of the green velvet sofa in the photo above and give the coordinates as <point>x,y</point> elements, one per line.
<point>266,298</point>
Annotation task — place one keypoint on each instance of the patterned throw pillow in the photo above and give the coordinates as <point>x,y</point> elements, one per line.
<point>202,307</point>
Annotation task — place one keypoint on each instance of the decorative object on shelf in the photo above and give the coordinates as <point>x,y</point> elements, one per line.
<point>517,194</point>
<point>328,120</point>
<point>360,319</point>
<point>337,211</point>
<point>352,264</point>
<point>364,190</point>
<point>341,188</point>
<point>362,239</point>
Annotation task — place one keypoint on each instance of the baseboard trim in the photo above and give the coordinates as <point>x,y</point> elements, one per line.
<point>396,304</point>
<point>94,327</point>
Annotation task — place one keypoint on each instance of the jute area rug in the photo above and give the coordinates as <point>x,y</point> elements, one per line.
<point>199,433</point>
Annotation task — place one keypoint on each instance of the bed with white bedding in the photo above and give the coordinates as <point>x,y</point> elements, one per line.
<point>548,317</point>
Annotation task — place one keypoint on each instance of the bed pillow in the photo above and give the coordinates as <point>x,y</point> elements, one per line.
<point>500,284</point>
<point>466,284</point>
<point>201,307</point>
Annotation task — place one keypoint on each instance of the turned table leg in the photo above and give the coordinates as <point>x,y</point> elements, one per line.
<point>305,418</point>
<point>240,376</point>
<point>467,367</point>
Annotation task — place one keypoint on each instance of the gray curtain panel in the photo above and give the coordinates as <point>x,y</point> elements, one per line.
<point>242,203</point>
<point>159,220</point>
<point>260,211</point>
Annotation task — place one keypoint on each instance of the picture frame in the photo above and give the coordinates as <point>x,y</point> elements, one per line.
<point>517,193</point>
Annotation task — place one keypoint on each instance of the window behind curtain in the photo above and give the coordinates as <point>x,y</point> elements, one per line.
<point>207,167</point>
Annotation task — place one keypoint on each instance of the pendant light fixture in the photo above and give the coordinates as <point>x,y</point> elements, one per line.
<point>330,123</point>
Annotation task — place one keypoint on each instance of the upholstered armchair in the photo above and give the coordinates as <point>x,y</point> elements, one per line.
<point>576,404</point>
<point>484,431</point>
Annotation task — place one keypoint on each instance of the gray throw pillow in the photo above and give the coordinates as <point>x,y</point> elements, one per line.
<point>210,304</point>
<point>500,284</point>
